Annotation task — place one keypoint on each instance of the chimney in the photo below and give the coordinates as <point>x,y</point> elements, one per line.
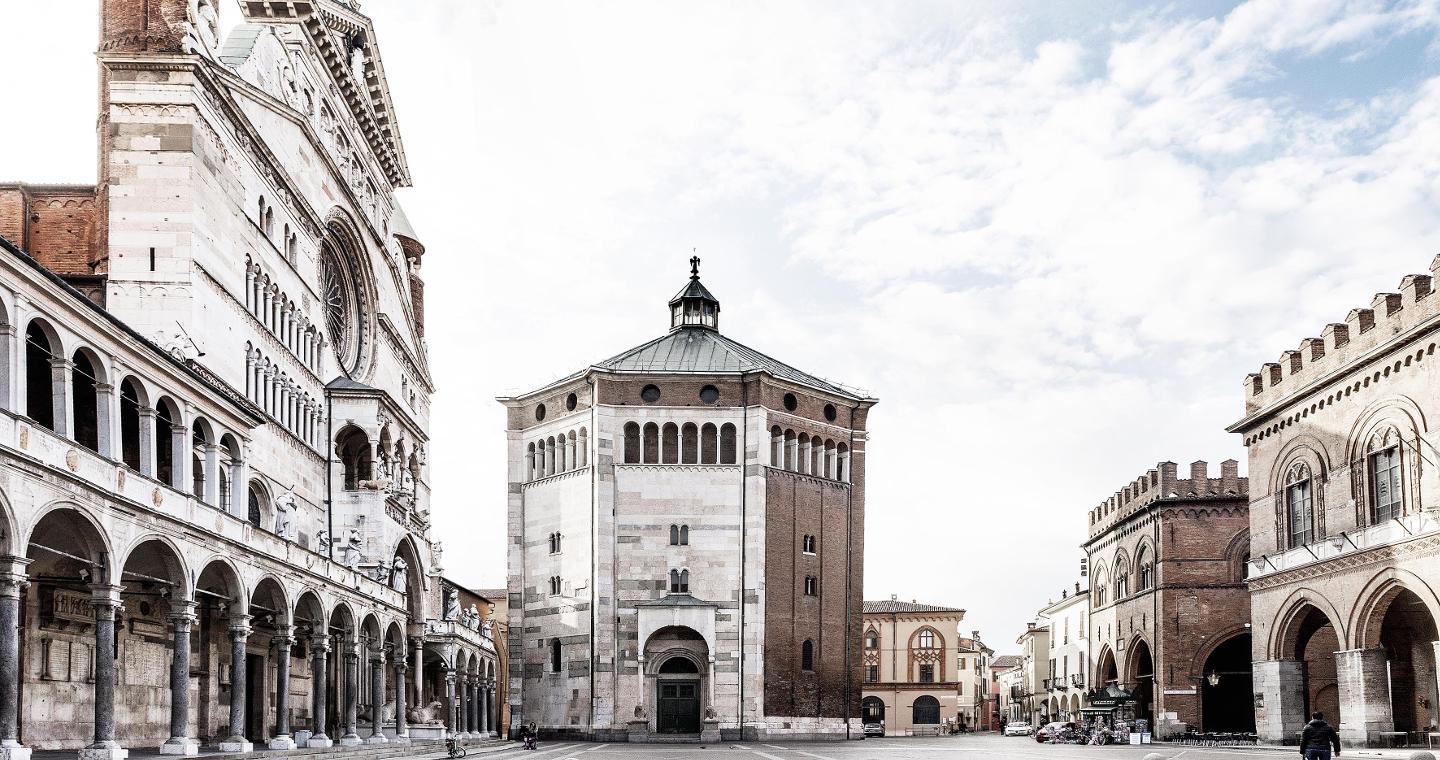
<point>1199,472</point>
<point>1167,478</point>
<point>894,597</point>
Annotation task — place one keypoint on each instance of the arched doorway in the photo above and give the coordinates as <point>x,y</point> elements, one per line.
<point>1226,701</point>
<point>872,710</point>
<point>676,657</point>
<point>1142,675</point>
<point>1406,631</point>
<point>926,711</point>
<point>1105,671</point>
<point>1313,641</point>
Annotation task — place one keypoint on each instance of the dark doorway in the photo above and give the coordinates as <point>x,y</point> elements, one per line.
<point>1316,643</point>
<point>927,711</point>
<point>1227,703</point>
<point>1142,672</point>
<point>1406,633</point>
<point>872,710</point>
<point>254,697</point>
<point>679,708</point>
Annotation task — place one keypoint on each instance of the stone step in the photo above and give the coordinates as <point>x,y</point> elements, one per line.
<point>361,752</point>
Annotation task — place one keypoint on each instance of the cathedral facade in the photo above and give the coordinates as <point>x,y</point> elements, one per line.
<point>687,532</point>
<point>214,405</point>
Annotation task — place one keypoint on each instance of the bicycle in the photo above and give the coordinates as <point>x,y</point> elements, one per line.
<point>453,747</point>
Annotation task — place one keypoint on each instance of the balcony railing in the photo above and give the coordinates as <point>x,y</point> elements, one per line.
<point>1330,547</point>
<point>1077,680</point>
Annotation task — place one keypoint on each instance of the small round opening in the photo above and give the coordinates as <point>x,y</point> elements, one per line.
<point>650,394</point>
<point>571,402</point>
<point>539,412</point>
<point>709,394</point>
<point>829,412</point>
<point>790,402</point>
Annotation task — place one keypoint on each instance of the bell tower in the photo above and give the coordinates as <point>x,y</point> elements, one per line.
<point>694,306</point>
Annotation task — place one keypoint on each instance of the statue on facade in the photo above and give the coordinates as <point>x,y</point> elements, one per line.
<point>486,628</point>
<point>400,575</point>
<point>381,573</point>
<point>200,32</point>
<point>285,515</point>
<point>351,550</point>
<point>322,540</point>
<point>472,618</point>
<point>452,604</point>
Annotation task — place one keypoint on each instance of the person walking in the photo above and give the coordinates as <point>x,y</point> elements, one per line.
<point>1317,739</point>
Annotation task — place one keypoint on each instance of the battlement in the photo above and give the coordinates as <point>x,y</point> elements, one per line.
<point>1162,482</point>
<point>1365,328</point>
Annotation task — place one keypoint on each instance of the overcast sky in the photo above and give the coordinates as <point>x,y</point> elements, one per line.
<point>1051,237</point>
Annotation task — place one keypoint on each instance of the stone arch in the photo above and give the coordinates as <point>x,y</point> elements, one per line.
<point>89,404</point>
<point>63,526</point>
<point>269,599</point>
<point>309,612</point>
<point>1286,628</point>
<point>353,448</point>
<point>1375,599</point>
<point>133,397</point>
<point>219,579</point>
<point>1106,669</point>
<point>9,529</point>
<point>348,293</point>
<point>259,508</point>
<point>165,563</point>
<point>1401,411</point>
<point>675,641</point>
<point>415,573</point>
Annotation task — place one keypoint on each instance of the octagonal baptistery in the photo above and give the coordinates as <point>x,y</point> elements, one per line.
<point>687,532</point>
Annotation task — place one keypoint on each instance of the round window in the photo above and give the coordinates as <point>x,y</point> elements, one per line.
<point>571,402</point>
<point>790,402</point>
<point>829,412</point>
<point>342,293</point>
<point>650,394</point>
<point>709,394</point>
<point>539,412</point>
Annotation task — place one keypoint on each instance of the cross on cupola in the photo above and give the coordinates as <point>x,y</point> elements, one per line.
<point>694,306</point>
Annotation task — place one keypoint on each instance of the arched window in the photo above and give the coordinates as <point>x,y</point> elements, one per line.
<point>554,585</point>
<point>1300,505</point>
<point>684,535</point>
<point>807,544</point>
<point>652,443</point>
<point>679,581</point>
<point>555,656</point>
<point>807,655</point>
<point>254,503</point>
<point>727,444</point>
<point>632,443</point>
<point>689,444</point>
<point>84,387</point>
<point>130,424</point>
<point>39,378</point>
<point>1098,590</point>
<point>842,462</point>
<point>790,450</point>
<point>1384,476</point>
<point>1147,570</point>
<point>355,458</point>
<point>671,444</point>
<point>926,639</point>
<point>555,543</point>
<point>872,640</point>
<point>1122,581</point>
<point>777,447</point>
<point>709,444</point>
<point>169,441</point>
<point>674,535</point>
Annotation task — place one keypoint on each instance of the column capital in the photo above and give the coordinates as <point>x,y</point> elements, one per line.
<point>105,597</point>
<point>13,579</point>
<point>284,637</point>
<point>320,642</point>
<point>401,666</point>
<point>240,624</point>
<point>182,612</point>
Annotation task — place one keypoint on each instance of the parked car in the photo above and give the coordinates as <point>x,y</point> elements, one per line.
<point>875,728</point>
<point>1048,731</point>
<point>1017,728</point>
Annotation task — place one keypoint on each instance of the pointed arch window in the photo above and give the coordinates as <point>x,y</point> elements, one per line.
<point>1147,570</point>
<point>1300,505</point>
<point>807,655</point>
<point>872,640</point>
<point>1384,475</point>
<point>679,581</point>
<point>1122,581</point>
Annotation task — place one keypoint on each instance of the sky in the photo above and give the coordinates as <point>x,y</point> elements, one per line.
<point>1051,237</point>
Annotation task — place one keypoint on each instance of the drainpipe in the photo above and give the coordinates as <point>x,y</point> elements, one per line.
<point>595,655</point>
<point>740,457</point>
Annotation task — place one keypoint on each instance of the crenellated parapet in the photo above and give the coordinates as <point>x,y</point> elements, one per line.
<point>1163,482</point>
<point>1364,328</point>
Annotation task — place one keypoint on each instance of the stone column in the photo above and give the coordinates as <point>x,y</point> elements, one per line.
<point>452,699</point>
<point>107,422</point>
<point>60,393</point>
<point>419,643</point>
<point>320,648</point>
<point>182,617</point>
<point>352,694</point>
<point>212,477</point>
<point>377,695</point>
<point>106,600</point>
<point>1364,695</point>
<point>239,635</point>
<point>462,705</point>
<point>1280,711</point>
<point>148,444</point>
<point>402,725</point>
<point>284,639</point>
<point>482,699</point>
<point>475,707</point>
<point>12,589</point>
